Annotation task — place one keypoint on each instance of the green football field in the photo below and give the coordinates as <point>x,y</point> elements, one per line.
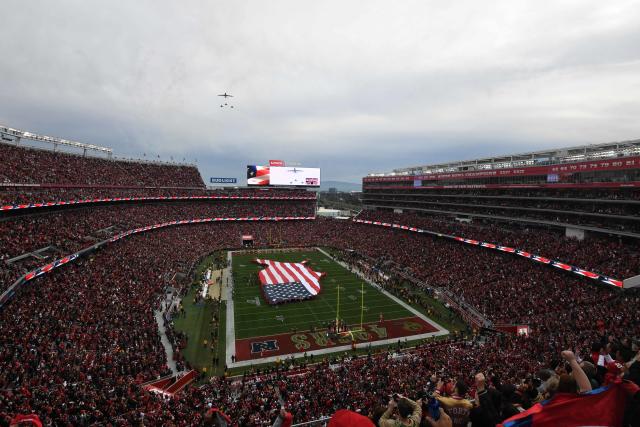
<point>253,320</point>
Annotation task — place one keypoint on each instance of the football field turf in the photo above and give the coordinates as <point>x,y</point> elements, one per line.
<point>252,320</point>
<point>261,333</point>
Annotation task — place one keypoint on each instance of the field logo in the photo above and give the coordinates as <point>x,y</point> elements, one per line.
<point>260,346</point>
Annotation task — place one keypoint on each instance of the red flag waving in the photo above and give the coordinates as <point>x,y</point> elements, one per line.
<point>25,420</point>
<point>601,407</point>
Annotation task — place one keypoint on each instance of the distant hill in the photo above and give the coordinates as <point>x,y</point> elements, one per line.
<point>340,186</point>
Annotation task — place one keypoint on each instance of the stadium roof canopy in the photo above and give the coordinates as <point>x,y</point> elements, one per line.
<point>535,158</point>
<point>21,134</point>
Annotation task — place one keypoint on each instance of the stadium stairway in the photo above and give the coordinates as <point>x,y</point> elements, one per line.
<point>171,384</point>
<point>181,383</point>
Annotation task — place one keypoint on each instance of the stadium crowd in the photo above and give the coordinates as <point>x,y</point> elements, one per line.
<point>481,204</point>
<point>614,257</point>
<point>74,344</point>
<point>70,230</point>
<point>30,195</point>
<point>566,218</point>
<point>621,194</point>
<point>23,165</point>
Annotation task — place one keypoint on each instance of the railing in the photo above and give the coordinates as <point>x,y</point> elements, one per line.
<point>315,423</point>
<point>18,135</point>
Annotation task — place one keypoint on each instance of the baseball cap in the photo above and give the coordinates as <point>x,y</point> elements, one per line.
<point>346,418</point>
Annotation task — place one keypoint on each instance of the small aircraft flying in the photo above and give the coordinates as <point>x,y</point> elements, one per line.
<point>226,95</point>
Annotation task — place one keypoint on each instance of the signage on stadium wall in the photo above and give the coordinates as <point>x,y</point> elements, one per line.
<point>158,198</point>
<point>561,169</point>
<point>507,186</point>
<point>566,267</point>
<point>223,180</point>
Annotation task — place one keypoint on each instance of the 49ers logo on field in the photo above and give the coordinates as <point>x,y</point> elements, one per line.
<point>260,346</point>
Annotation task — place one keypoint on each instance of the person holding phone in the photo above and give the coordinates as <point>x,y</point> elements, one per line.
<point>409,412</point>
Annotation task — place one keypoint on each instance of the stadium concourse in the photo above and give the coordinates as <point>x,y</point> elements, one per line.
<point>77,342</point>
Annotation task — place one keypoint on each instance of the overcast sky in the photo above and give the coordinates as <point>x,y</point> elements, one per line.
<point>351,86</point>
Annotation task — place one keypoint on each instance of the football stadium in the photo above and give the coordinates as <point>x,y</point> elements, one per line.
<point>257,220</point>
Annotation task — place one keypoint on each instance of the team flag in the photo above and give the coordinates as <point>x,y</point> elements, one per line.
<point>602,407</point>
<point>287,281</point>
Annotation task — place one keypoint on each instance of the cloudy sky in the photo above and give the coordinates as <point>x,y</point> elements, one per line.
<point>350,86</point>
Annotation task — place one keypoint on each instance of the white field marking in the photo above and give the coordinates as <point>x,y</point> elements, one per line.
<point>440,330</point>
<point>231,326</point>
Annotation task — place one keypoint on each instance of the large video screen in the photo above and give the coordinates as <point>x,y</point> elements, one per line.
<point>289,175</point>
<point>283,176</point>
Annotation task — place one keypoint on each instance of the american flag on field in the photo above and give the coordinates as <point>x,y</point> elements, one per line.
<point>257,175</point>
<point>287,281</point>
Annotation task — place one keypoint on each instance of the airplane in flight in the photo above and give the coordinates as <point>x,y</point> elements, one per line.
<point>226,95</point>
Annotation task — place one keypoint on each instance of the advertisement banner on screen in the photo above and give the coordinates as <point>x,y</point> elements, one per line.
<point>278,163</point>
<point>307,177</point>
<point>257,175</point>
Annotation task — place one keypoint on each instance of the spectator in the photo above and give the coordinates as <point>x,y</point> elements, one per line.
<point>409,412</point>
<point>458,408</point>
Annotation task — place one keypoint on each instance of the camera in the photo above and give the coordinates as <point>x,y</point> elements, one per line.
<point>430,404</point>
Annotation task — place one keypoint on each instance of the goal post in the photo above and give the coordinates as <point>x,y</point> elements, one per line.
<point>361,328</point>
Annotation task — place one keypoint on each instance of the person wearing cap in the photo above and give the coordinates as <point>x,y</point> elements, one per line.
<point>410,413</point>
<point>346,418</point>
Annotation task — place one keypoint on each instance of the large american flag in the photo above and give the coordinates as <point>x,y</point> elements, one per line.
<point>287,281</point>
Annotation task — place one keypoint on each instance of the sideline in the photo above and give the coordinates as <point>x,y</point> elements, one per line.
<point>231,341</point>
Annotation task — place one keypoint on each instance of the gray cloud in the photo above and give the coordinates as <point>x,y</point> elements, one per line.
<point>353,87</point>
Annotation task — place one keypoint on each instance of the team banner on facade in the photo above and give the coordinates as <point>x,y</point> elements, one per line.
<point>288,281</point>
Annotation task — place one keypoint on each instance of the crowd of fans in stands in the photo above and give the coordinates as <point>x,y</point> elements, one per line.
<point>68,231</point>
<point>30,195</point>
<point>75,343</point>
<point>23,165</point>
<point>505,206</point>
<point>616,258</point>
<point>566,218</point>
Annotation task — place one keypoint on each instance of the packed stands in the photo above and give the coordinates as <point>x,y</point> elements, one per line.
<point>23,165</point>
<point>613,257</point>
<point>90,305</point>
<point>12,197</point>
<point>77,343</point>
<point>69,230</point>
